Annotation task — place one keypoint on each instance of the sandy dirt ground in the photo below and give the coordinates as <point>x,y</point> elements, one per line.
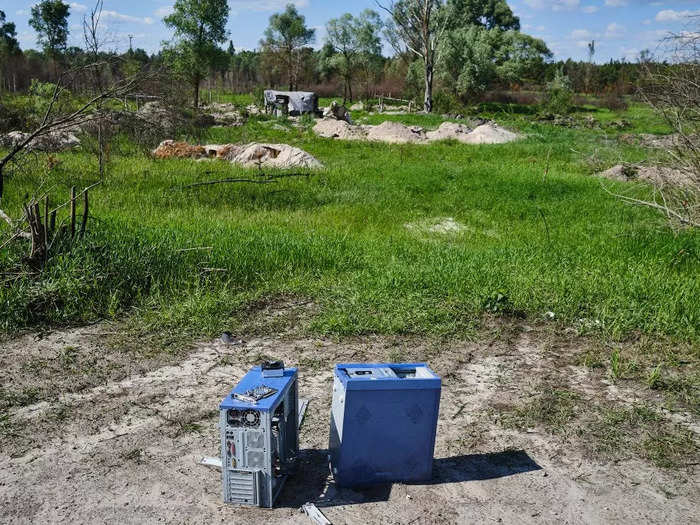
<point>119,442</point>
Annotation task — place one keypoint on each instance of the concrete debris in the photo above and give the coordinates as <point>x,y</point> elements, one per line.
<point>51,142</point>
<point>657,175</point>
<point>265,155</point>
<point>395,133</point>
<point>358,106</point>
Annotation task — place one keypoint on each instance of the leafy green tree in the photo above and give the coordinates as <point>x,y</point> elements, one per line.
<point>352,43</point>
<point>286,35</point>
<point>474,58</point>
<point>491,14</point>
<point>9,47</point>
<point>50,21</point>
<point>416,26</point>
<point>199,25</point>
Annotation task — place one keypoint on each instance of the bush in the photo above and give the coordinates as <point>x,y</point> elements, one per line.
<point>446,103</point>
<point>558,94</point>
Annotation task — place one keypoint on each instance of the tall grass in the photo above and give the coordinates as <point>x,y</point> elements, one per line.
<point>546,243</point>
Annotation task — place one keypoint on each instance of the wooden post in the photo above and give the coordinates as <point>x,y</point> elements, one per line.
<point>46,227</point>
<point>85,214</point>
<point>72,212</point>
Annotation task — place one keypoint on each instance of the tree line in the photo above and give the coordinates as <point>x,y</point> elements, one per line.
<point>463,49</point>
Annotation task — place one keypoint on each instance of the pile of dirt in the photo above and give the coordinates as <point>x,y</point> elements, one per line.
<point>51,142</point>
<point>163,117</point>
<point>658,175</point>
<point>274,156</point>
<point>171,149</point>
<point>396,133</point>
<point>338,129</point>
<point>280,156</point>
<point>449,130</point>
<point>490,133</point>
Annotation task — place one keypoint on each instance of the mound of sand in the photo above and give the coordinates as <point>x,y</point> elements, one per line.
<point>395,133</point>
<point>449,130</point>
<point>658,175</point>
<point>266,155</point>
<point>338,129</point>
<point>274,156</point>
<point>490,133</point>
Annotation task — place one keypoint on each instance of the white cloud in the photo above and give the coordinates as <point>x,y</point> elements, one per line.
<point>615,3</point>
<point>76,7</point>
<point>119,17</point>
<point>669,15</point>
<point>614,31</point>
<point>22,12</point>
<point>554,5</point>
<point>590,9</point>
<point>581,34</point>
<point>164,11</point>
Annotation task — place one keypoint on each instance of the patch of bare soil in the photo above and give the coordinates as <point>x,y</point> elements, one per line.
<point>649,140</point>
<point>126,450</point>
<point>254,154</point>
<point>658,175</point>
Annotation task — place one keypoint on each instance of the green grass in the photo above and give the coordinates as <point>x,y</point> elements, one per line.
<point>557,243</point>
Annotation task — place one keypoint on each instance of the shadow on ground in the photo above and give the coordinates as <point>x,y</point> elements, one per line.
<point>313,482</point>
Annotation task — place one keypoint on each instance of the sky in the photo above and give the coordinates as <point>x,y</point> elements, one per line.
<point>620,28</point>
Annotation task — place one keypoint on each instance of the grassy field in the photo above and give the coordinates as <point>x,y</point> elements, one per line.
<point>541,238</point>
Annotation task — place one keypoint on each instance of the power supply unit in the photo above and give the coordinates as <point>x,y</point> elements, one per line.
<point>259,435</point>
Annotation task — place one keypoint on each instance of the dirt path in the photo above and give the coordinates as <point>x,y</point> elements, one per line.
<point>126,450</point>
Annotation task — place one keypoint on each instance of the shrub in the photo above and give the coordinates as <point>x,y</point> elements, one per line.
<point>558,94</point>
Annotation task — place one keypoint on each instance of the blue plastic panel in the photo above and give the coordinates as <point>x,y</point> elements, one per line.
<point>255,378</point>
<point>383,423</point>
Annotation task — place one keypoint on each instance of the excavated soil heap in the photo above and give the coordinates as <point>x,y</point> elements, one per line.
<point>490,133</point>
<point>338,129</point>
<point>170,149</point>
<point>395,133</point>
<point>274,156</point>
<point>449,130</point>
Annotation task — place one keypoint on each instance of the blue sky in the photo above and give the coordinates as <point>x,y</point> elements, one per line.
<point>621,28</point>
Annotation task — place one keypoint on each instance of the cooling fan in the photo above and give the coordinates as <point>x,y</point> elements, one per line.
<point>251,418</point>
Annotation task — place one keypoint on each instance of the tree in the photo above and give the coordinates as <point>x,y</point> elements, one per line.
<point>351,43</point>
<point>474,58</point>
<point>286,35</point>
<point>417,27</point>
<point>491,14</point>
<point>199,26</point>
<point>9,47</point>
<point>50,21</point>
